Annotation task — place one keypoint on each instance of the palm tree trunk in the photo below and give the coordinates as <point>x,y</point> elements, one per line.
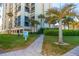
<point>60,33</point>
<point>73,26</point>
<point>64,25</point>
<point>41,24</point>
<point>36,28</point>
<point>68,26</point>
<point>49,25</point>
<point>31,29</point>
<point>53,26</point>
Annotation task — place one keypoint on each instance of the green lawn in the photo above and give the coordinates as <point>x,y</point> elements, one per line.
<point>49,48</point>
<point>13,42</point>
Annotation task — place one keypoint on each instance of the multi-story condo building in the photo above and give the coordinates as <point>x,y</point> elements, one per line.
<point>21,13</point>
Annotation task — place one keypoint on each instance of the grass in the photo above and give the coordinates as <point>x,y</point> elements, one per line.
<point>49,48</point>
<point>13,42</point>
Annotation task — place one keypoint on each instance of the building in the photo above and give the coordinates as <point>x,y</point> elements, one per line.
<point>21,13</point>
<point>1,17</point>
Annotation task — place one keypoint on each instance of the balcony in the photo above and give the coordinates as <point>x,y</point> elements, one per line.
<point>33,4</point>
<point>27,9</point>
<point>27,5</point>
<point>18,8</point>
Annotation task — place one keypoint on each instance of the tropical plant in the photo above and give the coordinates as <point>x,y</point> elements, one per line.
<point>51,20</point>
<point>74,23</point>
<point>41,16</point>
<point>67,21</point>
<point>34,24</point>
<point>59,14</point>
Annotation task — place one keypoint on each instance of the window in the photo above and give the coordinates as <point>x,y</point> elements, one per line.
<point>17,21</point>
<point>26,23</point>
<point>19,17</point>
<point>33,4</point>
<point>33,17</point>
<point>32,9</point>
<point>27,4</point>
<point>19,8</point>
<point>26,9</point>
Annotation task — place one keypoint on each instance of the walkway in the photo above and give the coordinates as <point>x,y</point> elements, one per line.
<point>33,50</point>
<point>73,52</point>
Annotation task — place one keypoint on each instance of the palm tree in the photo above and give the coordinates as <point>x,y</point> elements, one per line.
<point>10,16</point>
<point>41,16</point>
<point>66,10</point>
<point>74,23</point>
<point>67,21</point>
<point>34,24</point>
<point>77,25</point>
<point>50,20</point>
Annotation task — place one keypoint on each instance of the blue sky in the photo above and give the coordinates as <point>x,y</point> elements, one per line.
<point>62,4</point>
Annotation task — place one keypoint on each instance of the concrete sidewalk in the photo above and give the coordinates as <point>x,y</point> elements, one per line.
<point>73,52</point>
<point>33,50</point>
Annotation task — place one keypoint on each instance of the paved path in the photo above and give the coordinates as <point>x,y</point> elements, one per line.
<point>33,50</point>
<point>73,52</point>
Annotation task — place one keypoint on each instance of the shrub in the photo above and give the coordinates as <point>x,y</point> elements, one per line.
<point>54,32</point>
<point>51,32</point>
<point>40,31</point>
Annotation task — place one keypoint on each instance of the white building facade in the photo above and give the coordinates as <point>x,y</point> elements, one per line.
<point>21,13</point>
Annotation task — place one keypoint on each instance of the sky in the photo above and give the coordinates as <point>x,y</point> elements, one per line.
<point>62,4</point>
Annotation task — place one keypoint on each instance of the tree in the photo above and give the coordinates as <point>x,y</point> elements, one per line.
<point>50,20</point>
<point>10,16</point>
<point>74,23</point>
<point>41,16</point>
<point>67,21</point>
<point>34,24</point>
<point>66,10</point>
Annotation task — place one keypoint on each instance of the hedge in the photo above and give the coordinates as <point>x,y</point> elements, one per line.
<point>54,32</point>
<point>40,31</point>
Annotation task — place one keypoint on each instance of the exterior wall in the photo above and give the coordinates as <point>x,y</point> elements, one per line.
<point>14,15</point>
<point>5,18</point>
<point>13,7</point>
<point>22,14</point>
<point>41,8</point>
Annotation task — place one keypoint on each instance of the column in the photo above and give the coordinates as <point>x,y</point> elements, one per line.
<point>3,18</point>
<point>13,18</point>
<point>22,14</point>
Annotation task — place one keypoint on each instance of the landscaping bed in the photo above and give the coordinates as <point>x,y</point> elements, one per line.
<point>49,48</point>
<point>51,36</point>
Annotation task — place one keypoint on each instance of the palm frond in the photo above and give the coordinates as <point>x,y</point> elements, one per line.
<point>41,16</point>
<point>53,12</point>
<point>73,13</point>
<point>67,8</point>
<point>33,22</point>
<point>51,20</point>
